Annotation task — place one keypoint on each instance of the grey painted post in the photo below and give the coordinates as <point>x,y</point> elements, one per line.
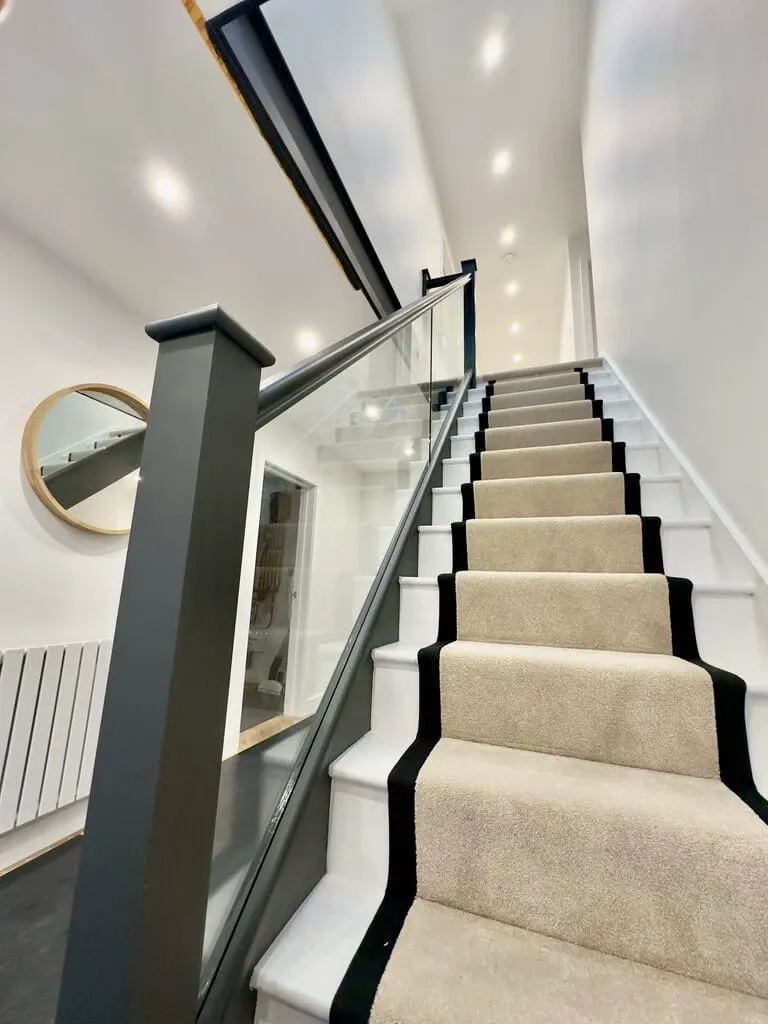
<point>136,935</point>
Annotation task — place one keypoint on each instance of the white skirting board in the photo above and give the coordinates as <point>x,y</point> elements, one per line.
<point>34,838</point>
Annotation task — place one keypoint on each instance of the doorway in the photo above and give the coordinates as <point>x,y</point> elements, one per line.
<point>275,599</point>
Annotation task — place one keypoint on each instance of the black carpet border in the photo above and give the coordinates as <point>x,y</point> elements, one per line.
<point>729,693</point>
<point>355,995</point>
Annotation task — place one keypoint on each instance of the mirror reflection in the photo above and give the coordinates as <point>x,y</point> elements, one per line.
<point>82,451</point>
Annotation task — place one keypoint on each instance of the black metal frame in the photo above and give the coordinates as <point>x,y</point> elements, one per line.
<point>292,856</point>
<point>467,274</point>
<point>244,42</point>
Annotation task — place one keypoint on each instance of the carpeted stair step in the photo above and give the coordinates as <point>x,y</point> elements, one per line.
<point>600,544</point>
<point>591,611</point>
<point>541,396</point>
<point>580,494</point>
<point>549,413</point>
<point>546,369</point>
<point>570,378</point>
<point>663,869</point>
<point>539,435</point>
<point>639,710</point>
<point>450,967</point>
<point>550,460</point>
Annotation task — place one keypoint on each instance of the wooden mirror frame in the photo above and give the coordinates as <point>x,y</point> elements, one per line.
<point>29,456</point>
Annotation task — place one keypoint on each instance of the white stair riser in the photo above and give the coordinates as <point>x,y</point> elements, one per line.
<point>624,409</point>
<point>446,507</point>
<point>633,431</point>
<point>272,1010</point>
<point>609,391</point>
<point>468,424</point>
<point>455,473</point>
<point>727,632</point>
<point>355,849</point>
<point>662,498</point>
<point>395,701</point>
<point>725,625</point>
<point>687,552</point>
<point>461,446</point>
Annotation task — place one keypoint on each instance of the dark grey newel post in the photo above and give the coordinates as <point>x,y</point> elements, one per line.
<point>470,320</point>
<point>136,935</point>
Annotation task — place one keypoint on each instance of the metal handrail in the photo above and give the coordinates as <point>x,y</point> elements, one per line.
<point>279,395</point>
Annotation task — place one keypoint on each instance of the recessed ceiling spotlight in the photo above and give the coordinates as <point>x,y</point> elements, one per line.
<point>511,288</point>
<point>5,9</point>
<point>514,327</point>
<point>372,412</point>
<point>167,188</point>
<point>508,236</point>
<point>492,51</point>
<point>408,450</point>
<point>308,341</point>
<point>517,357</point>
<point>501,162</point>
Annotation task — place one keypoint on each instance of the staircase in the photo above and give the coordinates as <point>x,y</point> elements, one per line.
<point>552,817</point>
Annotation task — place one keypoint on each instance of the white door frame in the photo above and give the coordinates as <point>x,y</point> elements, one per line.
<point>299,608</point>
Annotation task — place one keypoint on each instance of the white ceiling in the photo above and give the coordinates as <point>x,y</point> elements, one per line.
<point>93,90</point>
<point>531,104</point>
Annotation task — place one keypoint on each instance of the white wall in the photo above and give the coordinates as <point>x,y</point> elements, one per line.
<point>57,584</point>
<point>676,165</point>
<point>347,62</point>
<point>568,329</point>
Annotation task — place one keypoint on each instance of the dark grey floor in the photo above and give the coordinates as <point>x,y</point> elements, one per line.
<point>35,904</point>
<point>36,900</point>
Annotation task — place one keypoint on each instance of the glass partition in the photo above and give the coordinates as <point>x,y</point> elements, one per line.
<point>447,352</point>
<point>331,478</point>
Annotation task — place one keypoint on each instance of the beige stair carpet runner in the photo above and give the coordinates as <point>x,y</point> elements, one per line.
<point>575,835</point>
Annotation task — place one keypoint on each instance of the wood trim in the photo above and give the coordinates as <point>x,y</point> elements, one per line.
<point>259,733</point>
<point>29,455</point>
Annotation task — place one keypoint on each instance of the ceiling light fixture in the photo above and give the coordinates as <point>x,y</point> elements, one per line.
<point>511,288</point>
<point>517,357</point>
<point>372,412</point>
<point>508,236</point>
<point>167,188</point>
<point>408,451</point>
<point>492,50</point>
<point>514,327</point>
<point>501,162</point>
<point>308,341</point>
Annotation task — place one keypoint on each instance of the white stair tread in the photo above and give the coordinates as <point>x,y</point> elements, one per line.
<point>304,966</point>
<point>369,761</point>
<point>397,653</point>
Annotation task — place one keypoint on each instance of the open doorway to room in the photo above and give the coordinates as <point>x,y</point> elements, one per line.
<point>276,604</point>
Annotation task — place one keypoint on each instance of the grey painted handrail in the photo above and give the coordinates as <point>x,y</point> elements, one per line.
<point>278,396</point>
<point>227,968</point>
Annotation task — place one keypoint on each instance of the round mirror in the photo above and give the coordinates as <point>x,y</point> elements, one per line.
<point>81,452</point>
